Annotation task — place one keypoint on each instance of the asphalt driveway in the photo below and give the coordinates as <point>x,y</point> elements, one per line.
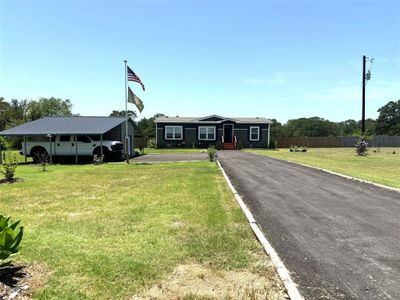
<point>169,157</point>
<point>339,238</point>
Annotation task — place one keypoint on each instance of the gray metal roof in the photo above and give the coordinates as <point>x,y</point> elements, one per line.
<point>198,120</point>
<point>65,125</point>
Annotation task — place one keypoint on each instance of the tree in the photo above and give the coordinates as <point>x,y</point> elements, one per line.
<point>370,126</point>
<point>389,119</point>
<point>121,113</point>
<point>16,112</point>
<point>314,126</point>
<point>277,131</point>
<point>147,127</point>
<point>4,108</point>
<point>48,107</point>
<point>349,127</point>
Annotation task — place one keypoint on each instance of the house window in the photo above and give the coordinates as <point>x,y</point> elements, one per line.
<point>207,133</point>
<point>173,132</point>
<point>254,133</point>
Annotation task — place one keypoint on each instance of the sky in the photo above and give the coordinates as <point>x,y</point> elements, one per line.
<point>274,59</point>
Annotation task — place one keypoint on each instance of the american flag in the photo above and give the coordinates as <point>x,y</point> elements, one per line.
<point>133,77</point>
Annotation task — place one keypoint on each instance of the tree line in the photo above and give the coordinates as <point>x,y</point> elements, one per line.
<point>387,123</point>
<point>16,112</point>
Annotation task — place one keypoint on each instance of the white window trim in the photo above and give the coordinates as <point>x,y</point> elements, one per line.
<point>173,133</point>
<point>207,128</point>
<point>258,134</point>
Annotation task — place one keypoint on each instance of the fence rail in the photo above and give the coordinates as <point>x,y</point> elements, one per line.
<point>337,141</point>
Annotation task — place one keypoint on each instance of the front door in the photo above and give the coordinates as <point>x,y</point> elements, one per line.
<point>228,133</point>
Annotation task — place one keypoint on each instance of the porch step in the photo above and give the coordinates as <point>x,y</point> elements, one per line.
<point>229,146</point>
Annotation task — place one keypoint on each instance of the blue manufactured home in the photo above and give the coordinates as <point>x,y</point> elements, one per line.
<point>226,133</point>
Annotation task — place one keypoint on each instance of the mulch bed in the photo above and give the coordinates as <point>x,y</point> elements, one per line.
<point>15,180</point>
<point>19,281</point>
<point>13,282</point>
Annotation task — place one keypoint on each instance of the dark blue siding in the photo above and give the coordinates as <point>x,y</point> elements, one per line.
<point>191,133</point>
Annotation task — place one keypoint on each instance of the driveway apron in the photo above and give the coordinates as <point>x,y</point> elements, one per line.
<point>339,238</point>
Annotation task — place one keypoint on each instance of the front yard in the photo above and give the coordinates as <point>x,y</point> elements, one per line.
<point>380,165</point>
<point>136,231</point>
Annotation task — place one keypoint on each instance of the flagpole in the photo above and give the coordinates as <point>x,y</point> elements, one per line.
<point>126,116</point>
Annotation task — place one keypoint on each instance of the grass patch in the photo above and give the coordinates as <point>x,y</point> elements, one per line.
<point>381,166</point>
<point>107,231</point>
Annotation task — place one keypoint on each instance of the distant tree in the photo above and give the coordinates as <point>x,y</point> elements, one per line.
<point>277,131</point>
<point>4,108</point>
<point>157,115</point>
<point>16,112</point>
<point>370,126</point>
<point>121,113</point>
<point>147,127</point>
<point>349,127</point>
<point>48,107</point>
<point>314,126</point>
<point>389,119</point>
<point>3,104</point>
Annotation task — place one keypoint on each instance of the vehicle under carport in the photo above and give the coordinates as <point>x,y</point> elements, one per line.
<point>86,136</point>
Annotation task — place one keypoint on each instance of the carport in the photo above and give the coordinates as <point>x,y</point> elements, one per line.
<point>46,129</point>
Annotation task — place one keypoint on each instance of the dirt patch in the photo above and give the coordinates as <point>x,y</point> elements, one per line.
<point>20,282</point>
<point>194,281</point>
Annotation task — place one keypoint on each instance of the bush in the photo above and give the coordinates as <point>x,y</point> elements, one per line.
<point>4,145</point>
<point>10,238</point>
<point>361,148</point>
<point>239,145</point>
<point>42,159</point>
<point>9,167</point>
<point>151,143</point>
<point>212,152</point>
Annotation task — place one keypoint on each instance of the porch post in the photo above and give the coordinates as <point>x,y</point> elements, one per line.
<point>51,151</point>
<point>157,136</point>
<point>76,149</point>
<point>269,129</point>
<point>101,145</point>
<point>26,158</point>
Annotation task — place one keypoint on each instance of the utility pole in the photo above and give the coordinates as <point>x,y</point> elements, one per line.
<point>363,99</point>
<point>365,78</point>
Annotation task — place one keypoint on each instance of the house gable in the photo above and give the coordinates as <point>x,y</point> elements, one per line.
<point>212,118</point>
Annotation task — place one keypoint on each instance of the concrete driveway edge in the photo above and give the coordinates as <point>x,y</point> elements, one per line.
<point>283,272</point>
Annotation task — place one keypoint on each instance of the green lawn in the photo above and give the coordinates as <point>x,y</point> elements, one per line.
<point>381,166</point>
<point>174,150</point>
<point>108,231</point>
